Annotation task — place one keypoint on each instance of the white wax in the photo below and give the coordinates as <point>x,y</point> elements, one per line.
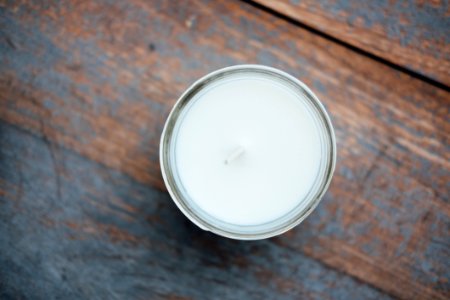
<point>247,150</point>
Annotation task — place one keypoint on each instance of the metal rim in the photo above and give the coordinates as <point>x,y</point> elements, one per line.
<point>166,136</point>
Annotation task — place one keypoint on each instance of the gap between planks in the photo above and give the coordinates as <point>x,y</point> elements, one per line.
<point>343,43</point>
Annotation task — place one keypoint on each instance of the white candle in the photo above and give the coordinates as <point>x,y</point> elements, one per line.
<point>250,151</point>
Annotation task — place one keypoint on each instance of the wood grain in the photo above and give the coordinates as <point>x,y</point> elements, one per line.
<point>85,88</point>
<point>413,34</point>
<point>71,228</point>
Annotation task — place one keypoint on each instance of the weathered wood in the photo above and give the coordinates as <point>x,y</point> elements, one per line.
<point>98,79</point>
<point>413,34</point>
<point>71,228</point>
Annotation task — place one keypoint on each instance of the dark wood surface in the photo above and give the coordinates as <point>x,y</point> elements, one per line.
<point>414,34</point>
<point>85,88</point>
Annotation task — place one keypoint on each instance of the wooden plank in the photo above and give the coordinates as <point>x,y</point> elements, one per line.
<point>73,229</point>
<point>99,79</point>
<point>412,34</point>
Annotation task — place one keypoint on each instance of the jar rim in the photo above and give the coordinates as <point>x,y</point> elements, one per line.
<point>177,194</point>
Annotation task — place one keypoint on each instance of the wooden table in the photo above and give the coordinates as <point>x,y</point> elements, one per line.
<point>85,88</point>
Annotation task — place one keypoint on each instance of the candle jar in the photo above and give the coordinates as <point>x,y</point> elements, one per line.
<point>247,152</point>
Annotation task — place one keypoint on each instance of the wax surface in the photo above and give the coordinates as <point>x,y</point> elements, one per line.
<point>280,156</point>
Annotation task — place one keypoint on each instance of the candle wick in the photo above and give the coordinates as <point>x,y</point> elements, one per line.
<point>234,155</point>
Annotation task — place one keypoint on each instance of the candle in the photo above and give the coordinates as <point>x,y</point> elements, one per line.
<point>247,152</point>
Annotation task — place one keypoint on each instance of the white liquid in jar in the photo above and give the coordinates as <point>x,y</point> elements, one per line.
<point>247,150</point>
